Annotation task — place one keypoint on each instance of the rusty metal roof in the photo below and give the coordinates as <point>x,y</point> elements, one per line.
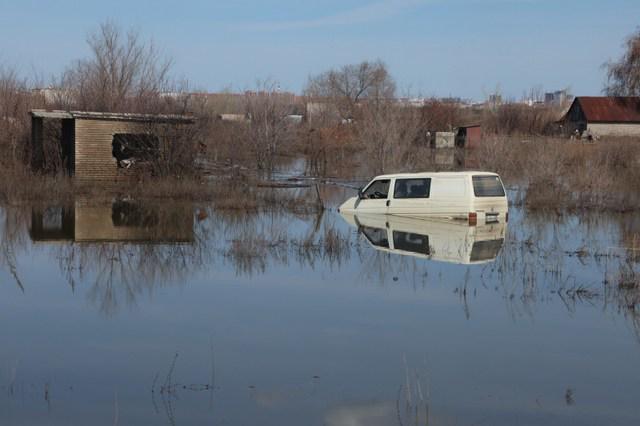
<point>610,109</point>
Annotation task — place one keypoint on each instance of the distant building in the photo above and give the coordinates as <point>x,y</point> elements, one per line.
<point>52,95</point>
<point>494,101</point>
<point>234,117</point>
<point>603,116</point>
<point>559,97</point>
<point>294,118</point>
<point>319,110</point>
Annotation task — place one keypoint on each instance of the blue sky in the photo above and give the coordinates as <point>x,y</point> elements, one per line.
<point>464,48</point>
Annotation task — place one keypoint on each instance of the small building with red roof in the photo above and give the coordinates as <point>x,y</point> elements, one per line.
<point>603,116</point>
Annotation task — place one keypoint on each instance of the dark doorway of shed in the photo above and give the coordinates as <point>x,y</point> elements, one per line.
<point>131,148</point>
<point>53,146</point>
<point>67,139</point>
<point>461,137</point>
<point>52,223</point>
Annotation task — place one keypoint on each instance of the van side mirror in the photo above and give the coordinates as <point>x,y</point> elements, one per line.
<point>360,193</point>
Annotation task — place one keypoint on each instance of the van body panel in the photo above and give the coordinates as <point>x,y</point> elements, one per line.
<point>428,238</point>
<point>372,206</point>
<point>450,195</point>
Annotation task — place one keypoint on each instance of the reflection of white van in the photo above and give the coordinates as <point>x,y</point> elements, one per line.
<point>478,197</point>
<point>445,241</point>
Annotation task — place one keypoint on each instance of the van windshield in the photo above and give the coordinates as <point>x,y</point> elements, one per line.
<point>487,186</point>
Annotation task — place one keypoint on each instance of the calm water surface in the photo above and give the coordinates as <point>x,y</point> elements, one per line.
<point>128,313</point>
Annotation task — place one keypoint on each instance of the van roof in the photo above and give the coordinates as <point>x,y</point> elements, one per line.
<point>436,174</point>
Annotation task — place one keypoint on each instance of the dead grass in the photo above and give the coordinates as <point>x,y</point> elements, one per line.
<point>237,194</point>
<point>565,175</point>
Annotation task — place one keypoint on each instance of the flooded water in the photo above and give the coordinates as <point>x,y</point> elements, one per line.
<point>178,314</point>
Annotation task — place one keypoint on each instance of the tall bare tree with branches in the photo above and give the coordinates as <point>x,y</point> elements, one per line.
<point>123,74</point>
<point>623,75</point>
<point>345,87</point>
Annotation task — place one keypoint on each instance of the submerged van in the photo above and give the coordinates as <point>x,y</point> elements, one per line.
<point>438,240</point>
<point>476,197</point>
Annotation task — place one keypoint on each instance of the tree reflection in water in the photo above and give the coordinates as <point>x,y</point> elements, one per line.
<point>544,259</point>
<point>14,242</point>
<point>128,250</point>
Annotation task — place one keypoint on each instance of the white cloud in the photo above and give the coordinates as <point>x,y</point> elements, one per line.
<point>372,12</point>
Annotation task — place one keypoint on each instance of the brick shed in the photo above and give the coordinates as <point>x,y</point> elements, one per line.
<point>105,146</point>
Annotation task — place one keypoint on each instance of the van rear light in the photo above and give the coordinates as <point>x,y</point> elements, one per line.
<point>506,217</point>
<point>473,219</point>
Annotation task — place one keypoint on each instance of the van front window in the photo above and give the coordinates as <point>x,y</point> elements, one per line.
<point>487,186</point>
<point>378,189</point>
<point>376,236</point>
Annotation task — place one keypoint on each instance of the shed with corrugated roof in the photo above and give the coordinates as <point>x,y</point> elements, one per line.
<point>603,116</point>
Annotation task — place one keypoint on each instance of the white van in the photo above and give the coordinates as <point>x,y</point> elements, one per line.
<point>477,197</point>
<point>439,240</point>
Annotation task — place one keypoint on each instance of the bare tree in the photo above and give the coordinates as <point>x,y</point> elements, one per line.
<point>124,74</point>
<point>347,86</point>
<point>387,131</point>
<point>623,76</point>
<point>269,129</point>
<point>438,115</point>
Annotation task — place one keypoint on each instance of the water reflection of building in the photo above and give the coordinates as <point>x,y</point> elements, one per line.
<point>119,221</point>
<point>446,241</point>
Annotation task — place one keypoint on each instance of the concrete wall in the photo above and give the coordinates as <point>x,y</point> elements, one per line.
<point>445,140</point>
<point>605,129</point>
<point>445,157</point>
<point>93,147</point>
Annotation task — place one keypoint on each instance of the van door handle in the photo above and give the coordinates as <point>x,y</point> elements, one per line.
<point>388,202</point>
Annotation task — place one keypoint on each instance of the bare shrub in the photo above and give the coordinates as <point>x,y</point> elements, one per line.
<point>387,132</point>
<point>329,150</point>
<point>173,150</point>
<point>437,115</point>
<point>15,124</point>
<point>518,119</point>
<point>269,130</point>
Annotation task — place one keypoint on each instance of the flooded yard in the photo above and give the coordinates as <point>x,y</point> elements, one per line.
<point>181,314</point>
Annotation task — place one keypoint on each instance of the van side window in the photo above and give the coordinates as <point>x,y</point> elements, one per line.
<point>378,189</point>
<point>487,186</point>
<point>412,188</point>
